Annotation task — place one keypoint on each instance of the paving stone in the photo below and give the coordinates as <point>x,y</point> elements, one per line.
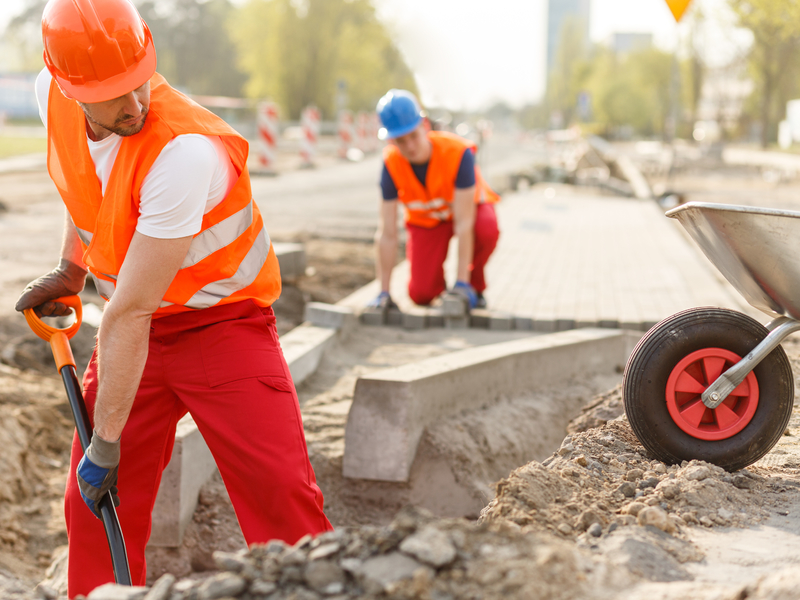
<point>501,323</point>
<point>523,323</point>
<point>565,324</point>
<point>453,305</point>
<point>544,325</point>
<point>329,315</point>
<point>608,323</point>
<point>415,319</point>
<point>479,318</point>
<point>394,317</point>
<point>373,316</point>
<point>456,322</point>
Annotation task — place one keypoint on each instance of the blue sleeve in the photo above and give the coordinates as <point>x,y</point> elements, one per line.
<point>466,171</point>
<point>388,187</point>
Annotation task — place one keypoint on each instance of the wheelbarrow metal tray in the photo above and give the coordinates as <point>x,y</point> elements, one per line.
<point>756,249</point>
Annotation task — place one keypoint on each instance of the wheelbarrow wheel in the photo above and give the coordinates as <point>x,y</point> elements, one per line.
<point>677,360</point>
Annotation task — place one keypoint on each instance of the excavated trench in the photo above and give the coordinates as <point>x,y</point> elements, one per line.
<point>458,460</point>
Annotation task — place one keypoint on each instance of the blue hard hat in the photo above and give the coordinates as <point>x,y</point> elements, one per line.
<point>399,112</point>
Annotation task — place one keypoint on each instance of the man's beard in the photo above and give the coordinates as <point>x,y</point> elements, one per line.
<point>118,127</point>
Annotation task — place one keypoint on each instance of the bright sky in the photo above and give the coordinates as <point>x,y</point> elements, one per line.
<point>471,53</point>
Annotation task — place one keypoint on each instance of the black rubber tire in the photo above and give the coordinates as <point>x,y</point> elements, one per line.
<point>664,346</point>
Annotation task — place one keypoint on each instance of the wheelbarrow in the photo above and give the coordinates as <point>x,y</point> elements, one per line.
<point>714,384</point>
<point>65,362</point>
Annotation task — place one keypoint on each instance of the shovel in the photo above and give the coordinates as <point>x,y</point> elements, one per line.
<point>65,362</point>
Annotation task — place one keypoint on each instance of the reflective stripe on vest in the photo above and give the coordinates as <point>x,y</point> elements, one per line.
<point>85,236</point>
<point>103,287</point>
<point>438,208</point>
<point>206,243</point>
<point>218,236</point>
<point>246,274</point>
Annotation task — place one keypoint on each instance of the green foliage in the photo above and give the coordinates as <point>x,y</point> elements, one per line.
<point>633,89</point>
<point>775,25</point>
<point>24,35</point>
<point>194,50</point>
<point>297,53</point>
<point>627,90</point>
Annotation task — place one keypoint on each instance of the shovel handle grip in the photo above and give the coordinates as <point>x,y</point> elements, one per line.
<point>58,338</point>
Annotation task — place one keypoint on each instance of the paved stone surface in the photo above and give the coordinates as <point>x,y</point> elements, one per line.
<point>569,257</point>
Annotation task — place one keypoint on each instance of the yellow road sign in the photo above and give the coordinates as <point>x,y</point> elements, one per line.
<point>678,7</point>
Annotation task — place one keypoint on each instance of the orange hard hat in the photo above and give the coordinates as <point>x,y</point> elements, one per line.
<point>97,50</point>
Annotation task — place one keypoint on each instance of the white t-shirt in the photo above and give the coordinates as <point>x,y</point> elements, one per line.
<point>191,176</point>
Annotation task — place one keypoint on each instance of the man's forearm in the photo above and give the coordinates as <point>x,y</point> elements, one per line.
<point>466,238</point>
<point>122,347</point>
<point>464,229</point>
<point>387,252</point>
<point>71,248</point>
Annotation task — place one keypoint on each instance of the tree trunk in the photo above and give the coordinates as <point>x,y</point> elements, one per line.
<point>766,100</point>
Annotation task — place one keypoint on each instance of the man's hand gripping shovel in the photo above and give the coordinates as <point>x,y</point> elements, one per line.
<point>65,362</point>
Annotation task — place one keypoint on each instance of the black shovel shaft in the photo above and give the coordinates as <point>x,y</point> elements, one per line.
<point>116,543</point>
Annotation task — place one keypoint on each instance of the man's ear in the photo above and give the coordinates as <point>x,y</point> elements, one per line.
<point>426,123</point>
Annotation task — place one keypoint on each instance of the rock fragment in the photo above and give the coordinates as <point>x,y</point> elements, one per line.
<point>430,546</point>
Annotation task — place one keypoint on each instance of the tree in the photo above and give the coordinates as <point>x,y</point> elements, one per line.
<point>775,25</point>
<point>195,52</point>
<point>299,52</point>
<point>24,34</point>
<point>191,38</point>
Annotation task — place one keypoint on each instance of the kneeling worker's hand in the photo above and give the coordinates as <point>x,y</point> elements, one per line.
<point>464,289</point>
<point>97,472</point>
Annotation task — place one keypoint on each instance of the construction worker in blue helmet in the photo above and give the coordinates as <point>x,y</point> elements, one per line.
<point>434,176</point>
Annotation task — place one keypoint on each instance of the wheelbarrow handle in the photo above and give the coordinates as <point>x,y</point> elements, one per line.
<point>65,361</point>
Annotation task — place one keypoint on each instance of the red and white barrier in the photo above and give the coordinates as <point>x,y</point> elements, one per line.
<point>267,121</point>
<point>344,131</point>
<point>374,127</point>
<point>309,121</point>
<point>362,131</point>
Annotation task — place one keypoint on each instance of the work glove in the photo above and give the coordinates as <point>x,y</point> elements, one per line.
<point>67,279</point>
<point>97,472</point>
<point>466,291</point>
<point>383,300</point>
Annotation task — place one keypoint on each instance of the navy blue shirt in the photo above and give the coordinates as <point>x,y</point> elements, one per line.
<point>464,179</point>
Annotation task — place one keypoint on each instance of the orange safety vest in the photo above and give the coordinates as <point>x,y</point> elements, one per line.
<point>431,204</point>
<point>230,259</point>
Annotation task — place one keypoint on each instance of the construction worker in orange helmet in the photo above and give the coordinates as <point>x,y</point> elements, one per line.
<point>160,214</point>
<point>433,175</point>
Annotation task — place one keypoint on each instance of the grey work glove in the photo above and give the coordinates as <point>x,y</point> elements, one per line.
<point>67,279</point>
<point>97,472</point>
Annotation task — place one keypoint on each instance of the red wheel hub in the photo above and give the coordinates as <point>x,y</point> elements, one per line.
<point>691,377</point>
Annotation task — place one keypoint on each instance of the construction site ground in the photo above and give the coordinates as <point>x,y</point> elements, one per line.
<point>591,517</point>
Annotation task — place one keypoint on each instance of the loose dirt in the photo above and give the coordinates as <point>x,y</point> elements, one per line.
<point>595,519</point>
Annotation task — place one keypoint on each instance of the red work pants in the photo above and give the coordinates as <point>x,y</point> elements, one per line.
<point>426,250</point>
<point>225,366</point>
